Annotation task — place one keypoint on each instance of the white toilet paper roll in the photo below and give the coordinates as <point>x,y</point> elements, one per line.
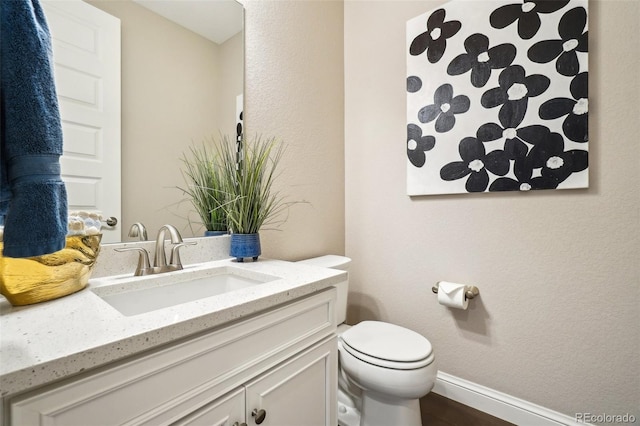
<point>452,295</point>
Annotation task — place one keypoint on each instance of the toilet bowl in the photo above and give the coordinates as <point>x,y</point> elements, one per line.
<point>384,368</point>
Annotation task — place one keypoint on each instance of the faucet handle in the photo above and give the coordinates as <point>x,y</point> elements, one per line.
<point>144,267</point>
<point>174,259</point>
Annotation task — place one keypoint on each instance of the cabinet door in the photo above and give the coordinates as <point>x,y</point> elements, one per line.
<point>299,392</point>
<point>225,411</point>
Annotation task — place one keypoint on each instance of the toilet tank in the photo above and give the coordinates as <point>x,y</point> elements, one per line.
<point>335,262</point>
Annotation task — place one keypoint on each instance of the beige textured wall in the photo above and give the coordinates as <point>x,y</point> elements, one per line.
<point>294,91</point>
<point>557,322</point>
<point>171,97</point>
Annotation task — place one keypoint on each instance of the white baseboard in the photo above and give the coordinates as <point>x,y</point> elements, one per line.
<point>498,404</point>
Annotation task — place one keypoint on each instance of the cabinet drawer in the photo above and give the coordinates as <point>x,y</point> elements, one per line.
<point>166,385</point>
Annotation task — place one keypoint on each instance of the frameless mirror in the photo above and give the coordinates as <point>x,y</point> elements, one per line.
<point>182,82</point>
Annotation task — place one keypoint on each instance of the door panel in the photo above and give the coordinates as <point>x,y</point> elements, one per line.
<point>86,51</point>
<point>299,392</point>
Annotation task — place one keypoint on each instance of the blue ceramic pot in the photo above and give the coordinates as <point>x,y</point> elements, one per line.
<point>245,245</point>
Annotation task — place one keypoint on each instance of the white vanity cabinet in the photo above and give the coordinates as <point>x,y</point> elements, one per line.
<point>281,363</point>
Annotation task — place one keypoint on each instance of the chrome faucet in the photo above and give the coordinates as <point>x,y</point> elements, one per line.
<point>138,230</point>
<point>160,259</point>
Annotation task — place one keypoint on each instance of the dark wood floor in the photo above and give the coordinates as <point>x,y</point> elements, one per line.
<point>440,411</point>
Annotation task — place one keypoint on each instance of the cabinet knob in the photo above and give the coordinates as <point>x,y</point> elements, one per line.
<point>259,415</point>
<point>239,424</point>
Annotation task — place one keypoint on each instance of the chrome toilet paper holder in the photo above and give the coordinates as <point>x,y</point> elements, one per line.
<point>470,291</point>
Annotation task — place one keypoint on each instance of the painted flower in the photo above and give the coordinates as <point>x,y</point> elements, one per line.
<point>434,40</point>
<point>525,181</point>
<point>526,14</point>
<point>444,108</point>
<point>573,38</point>
<point>414,83</point>
<point>476,164</point>
<point>514,145</point>
<point>513,93</point>
<point>548,154</point>
<point>481,59</point>
<point>417,145</point>
<point>545,166</point>
<point>576,125</point>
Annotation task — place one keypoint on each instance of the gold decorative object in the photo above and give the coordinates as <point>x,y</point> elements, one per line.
<point>24,281</point>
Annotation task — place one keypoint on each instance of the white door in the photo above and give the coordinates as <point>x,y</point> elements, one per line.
<point>86,51</point>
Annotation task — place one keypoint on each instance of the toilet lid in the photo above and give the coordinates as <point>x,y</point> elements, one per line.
<point>387,342</point>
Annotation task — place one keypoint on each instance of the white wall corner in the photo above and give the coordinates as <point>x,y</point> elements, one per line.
<point>498,404</point>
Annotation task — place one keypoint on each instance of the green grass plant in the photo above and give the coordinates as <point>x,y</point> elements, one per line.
<point>206,185</point>
<point>249,176</point>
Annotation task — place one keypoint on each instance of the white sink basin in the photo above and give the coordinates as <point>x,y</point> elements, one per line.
<point>137,295</point>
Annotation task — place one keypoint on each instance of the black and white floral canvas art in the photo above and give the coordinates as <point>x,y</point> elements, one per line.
<point>497,97</point>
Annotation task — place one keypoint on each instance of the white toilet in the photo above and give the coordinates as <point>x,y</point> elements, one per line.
<point>384,368</point>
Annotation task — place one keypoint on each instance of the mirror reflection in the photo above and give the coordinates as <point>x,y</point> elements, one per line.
<point>182,78</point>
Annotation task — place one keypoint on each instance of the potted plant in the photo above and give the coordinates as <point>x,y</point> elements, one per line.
<point>205,188</point>
<point>249,172</point>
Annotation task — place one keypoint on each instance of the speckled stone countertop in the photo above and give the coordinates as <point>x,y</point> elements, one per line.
<point>49,341</point>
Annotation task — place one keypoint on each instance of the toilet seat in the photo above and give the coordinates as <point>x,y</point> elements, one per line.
<point>387,345</point>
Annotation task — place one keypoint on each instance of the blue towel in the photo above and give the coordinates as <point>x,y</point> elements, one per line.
<point>33,198</point>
